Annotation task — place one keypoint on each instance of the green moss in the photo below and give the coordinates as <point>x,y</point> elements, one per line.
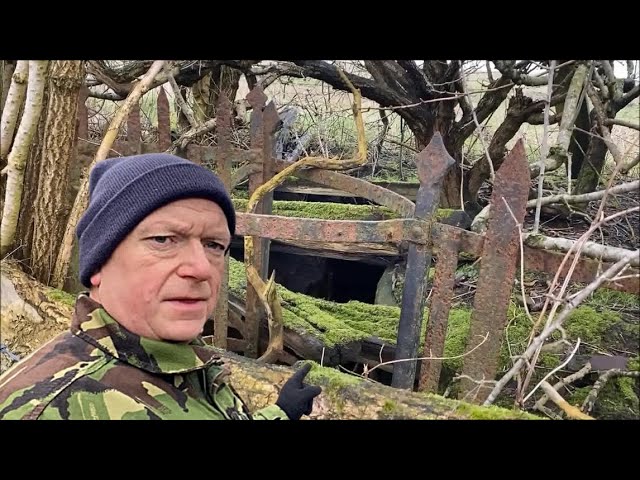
<point>476,412</point>
<point>332,323</point>
<point>634,364</point>
<point>61,296</point>
<point>589,325</point>
<point>618,400</point>
<point>324,210</point>
<point>578,396</point>
<point>388,407</point>
<point>330,377</point>
<point>456,340</point>
<point>612,299</point>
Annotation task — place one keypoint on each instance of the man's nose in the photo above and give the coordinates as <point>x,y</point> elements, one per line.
<point>194,262</point>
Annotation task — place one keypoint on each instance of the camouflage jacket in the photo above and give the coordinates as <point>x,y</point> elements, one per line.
<point>101,371</point>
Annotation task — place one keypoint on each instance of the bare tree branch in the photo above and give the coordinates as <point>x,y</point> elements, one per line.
<point>570,410</point>
<point>508,70</point>
<point>602,116</point>
<point>590,401</point>
<point>627,98</point>
<point>557,322</point>
<point>623,123</point>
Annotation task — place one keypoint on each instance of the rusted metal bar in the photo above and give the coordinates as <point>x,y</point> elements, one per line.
<point>134,140</point>
<point>433,163</point>
<point>223,168</point>
<point>361,188</point>
<point>586,271</point>
<point>439,312</point>
<point>470,242</point>
<point>164,121</point>
<point>343,231</point>
<point>496,275</point>
<point>263,123</point>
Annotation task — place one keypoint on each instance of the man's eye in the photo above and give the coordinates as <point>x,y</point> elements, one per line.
<point>160,239</point>
<point>215,245</point>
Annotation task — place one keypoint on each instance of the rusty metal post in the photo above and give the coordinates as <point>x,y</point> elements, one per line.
<point>223,168</point>
<point>433,163</point>
<point>438,322</point>
<point>134,139</point>
<point>263,123</point>
<point>164,121</point>
<point>496,275</point>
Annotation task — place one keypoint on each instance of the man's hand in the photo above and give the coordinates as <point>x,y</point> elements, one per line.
<point>296,398</point>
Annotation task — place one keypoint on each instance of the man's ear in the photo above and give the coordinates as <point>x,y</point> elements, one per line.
<point>95,279</point>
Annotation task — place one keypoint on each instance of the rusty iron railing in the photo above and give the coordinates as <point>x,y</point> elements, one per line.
<point>497,249</point>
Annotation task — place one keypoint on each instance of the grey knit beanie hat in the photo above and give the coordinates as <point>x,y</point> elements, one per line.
<point>124,190</point>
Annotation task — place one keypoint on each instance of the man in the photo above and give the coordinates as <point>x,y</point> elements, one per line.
<point>152,244</point>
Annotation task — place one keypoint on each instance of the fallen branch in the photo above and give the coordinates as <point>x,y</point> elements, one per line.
<point>605,253</point>
<point>571,304</point>
<point>479,223</point>
<point>590,401</point>
<point>570,410</point>
<point>579,246</point>
<point>565,381</point>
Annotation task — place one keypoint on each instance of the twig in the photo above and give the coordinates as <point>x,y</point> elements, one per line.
<point>484,339</point>
<point>590,401</point>
<point>545,149</point>
<point>623,123</point>
<point>565,381</point>
<point>601,116</point>
<point>573,352</point>
<point>184,106</point>
<point>519,226</point>
<point>550,328</point>
<point>585,197</point>
<point>570,410</point>
<point>492,172</point>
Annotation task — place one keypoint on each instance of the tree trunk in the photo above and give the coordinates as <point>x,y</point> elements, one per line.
<point>207,91</point>
<point>589,175</point>
<point>51,209</point>
<point>579,140</point>
<point>31,181</point>
<point>19,153</point>
<point>33,314</point>
<point>7,67</point>
<point>14,99</point>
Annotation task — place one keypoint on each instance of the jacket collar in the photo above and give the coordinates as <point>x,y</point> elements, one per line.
<point>92,323</point>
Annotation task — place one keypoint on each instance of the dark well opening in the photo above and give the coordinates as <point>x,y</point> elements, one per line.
<point>332,279</point>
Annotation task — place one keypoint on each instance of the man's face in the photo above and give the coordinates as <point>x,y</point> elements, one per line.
<point>162,281</point>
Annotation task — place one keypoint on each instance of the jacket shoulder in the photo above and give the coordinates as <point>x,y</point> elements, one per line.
<point>28,387</point>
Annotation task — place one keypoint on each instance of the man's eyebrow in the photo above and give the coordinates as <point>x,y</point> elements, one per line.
<point>168,226</point>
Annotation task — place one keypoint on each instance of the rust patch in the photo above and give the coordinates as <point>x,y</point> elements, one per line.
<point>361,188</point>
<point>164,121</point>
<point>433,163</point>
<point>497,270</point>
<point>441,296</point>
